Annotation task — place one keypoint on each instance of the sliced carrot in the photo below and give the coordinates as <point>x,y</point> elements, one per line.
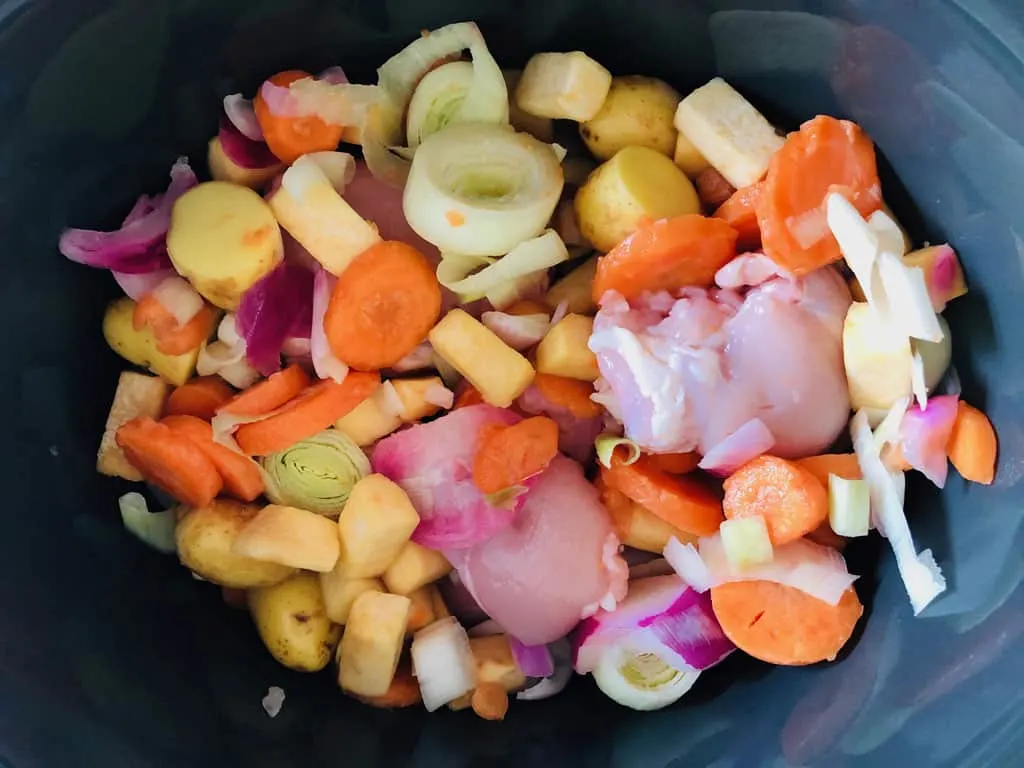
<point>469,395</point>
<point>790,499</point>
<point>571,394</point>
<point>972,446</point>
<point>783,625</point>
<point>383,305</point>
<point>508,455</point>
<point>172,338</point>
<point>683,502</point>
<point>525,307</point>
<point>312,411</point>
<point>676,463</point>
<point>740,213</point>
<point>404,691</point>
<point>170,461</point>
<point>713,188</point>
<point>242,477</point>
<point>825,155</point>
<point>200,397</point>
<point>269,394</point>
<point>666,255</point>
<point>843,465</point>
<point>289,138</point>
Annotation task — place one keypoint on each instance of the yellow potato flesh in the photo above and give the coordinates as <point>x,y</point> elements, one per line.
<point>139,347</point>
<point>292,621</point>
<point>638,112</point>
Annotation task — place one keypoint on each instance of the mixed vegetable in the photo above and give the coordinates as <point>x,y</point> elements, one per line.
<point>469,413</point>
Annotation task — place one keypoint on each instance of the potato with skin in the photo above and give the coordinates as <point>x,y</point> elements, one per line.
<point>206,538</point>
<point>139,347</point>
<point>638,112</point>
<point>638,183</point>
<point>576,289</point>
<point>223,168</point>
<point>223,238</point>
<point>292,622</point>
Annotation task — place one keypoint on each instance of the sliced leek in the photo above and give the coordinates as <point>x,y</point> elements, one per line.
<point>533,256</point>
<point>606,445</point>
<point>437,100</point>
<point>154,528</point>
<point>641,681</point>
<point>481,190</point>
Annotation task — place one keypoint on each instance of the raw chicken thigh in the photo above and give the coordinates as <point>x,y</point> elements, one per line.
<point>684,372</point>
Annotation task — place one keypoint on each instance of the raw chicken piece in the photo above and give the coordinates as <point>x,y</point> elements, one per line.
<point>683,373</point>
<point>556,564</point>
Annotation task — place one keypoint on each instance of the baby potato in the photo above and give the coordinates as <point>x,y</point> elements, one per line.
<point>223,238</point>
<point>206,539</point>
<point>638,112</point>
<point>223,168</point>
<point>292,622</point>
<point>637,183</point>
<point>139,347</point>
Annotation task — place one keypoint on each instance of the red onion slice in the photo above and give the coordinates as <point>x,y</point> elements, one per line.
<point>532,660</point>
<point>745,444</point>
<point>242,150</point>
<point>277,307</point>
<point>326,365</point>
<point>240,112</point>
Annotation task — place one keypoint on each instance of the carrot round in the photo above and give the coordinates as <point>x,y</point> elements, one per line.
<point>200,397</point>
<point>506,456</point>
<point>683,502</point>
<point>676,463</point>
<point>843,465</point>
<point>289,138</point>
<point>571,394</point>
<point>171,337</point>
<point>713,188</point>
<point>972,445</point>
<point>242,478</point>
<point>666,255</point>
<point>825,155</point>
<point>312,411</point>
<point>404,691</point>
<point>170,461</point>
<point>790,499</point>
<point>383,305</point>
<point>740,213</point>
<point>270,394</point>
<point>782,625</point>
<point>469,395</point>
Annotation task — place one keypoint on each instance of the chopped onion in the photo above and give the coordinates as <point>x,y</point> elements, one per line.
<point>532,660</point>
<point>334,75</point>
<point>528,287</point>
<point>178,297</point>
<point>518,331</point>
<point>137,286</point>
<point>243,151</point>
<point>325,363</point>
<point>443,663</point>
<point>858,242</point>
<point>482,189</point>
<point>744,445</point>
<point>849,506</point>
<point>242,116</point>
<point>271,310</point>
<point>888,429</point>
<point>420,358</point>
<point>153,528</point>
<point>924,434</point>
<point>890,236</point>
<point>685,561</point>
<point>606,445</point>
<point>921,575</point>
<point>641,680</point>
<point>907,300</point>
<point>531,256</point>
<point>439,395</point>
<point>554,684</point>
<point>227,331</point>
<point>746,542</point>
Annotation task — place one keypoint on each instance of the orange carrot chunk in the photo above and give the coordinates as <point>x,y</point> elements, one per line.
<point>713,188</point>
<point>571,394</point>
<point>666,255</point>
<point>200,397</point>
<point>404,691</point>
<point>843,465</point>
<point>825,155</point>
<point>683,502</point>
<point>269,394</point>
<point>170,461</point>
<point>740,213</point>
<point>677,463</point>
<point>289,138</point>
<point>782,625</point>
<point>790,499</point>
<point>312,411</point>
<point>506,456</point>
<point>469,395</point>
<point>171,337</point>
<point>383,305</point>
<point>972,445</point>
<point>241,476</point>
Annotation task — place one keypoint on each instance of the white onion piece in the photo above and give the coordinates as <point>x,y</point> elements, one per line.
<point>858,242</point>
<point>439,395</point>
<point>242,115</point>
<point>685,561</point>
<point>336,168</point>
<point>421,357</point>
<point>217,355</point>
<point>518,331</point>
<point>888,232</point>
<point>533,256</point>
<point>921,575</point>
<point>918,379</point>
<point>239,374</point>
<point>641,680</point>
<point>481,189</point>
<point>443,663</point>
<point>389,400</point>
<point>178,297</point>
<point>227,331</point>
<point>745,444</point>
<point>325,363</point>
<point>135,286</point>
<point>888,429</point>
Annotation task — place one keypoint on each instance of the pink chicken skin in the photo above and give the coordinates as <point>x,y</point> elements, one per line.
<point>683,372</point>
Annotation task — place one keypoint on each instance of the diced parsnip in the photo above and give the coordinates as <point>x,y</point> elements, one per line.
<point>495,662</point>
<point>139,347</point>
<point>576,289</point>
<point>223,168</point>
<point>564,351</point>
<point>375,525</point>
<point>849,506</point>
<point>542,128</point>
<point>415,567</point>
<point>728,131</point>
<point>371,420</point>
<point>563,86</point>
<point>497,371</point>
<point>638,527</point>
<point>136,395</point>
<point>421,612</point>
<point>688,157</point>
<point>324,224</point>
<point>746,542</point>
<point>877,360</point>
<point>440,609</point>
<point>413,394</point>
<point>340,593</point>
<point>372,644</point>
<point>290,536</point>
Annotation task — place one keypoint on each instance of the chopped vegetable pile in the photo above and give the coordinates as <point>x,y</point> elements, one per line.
<point>419,410</point>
